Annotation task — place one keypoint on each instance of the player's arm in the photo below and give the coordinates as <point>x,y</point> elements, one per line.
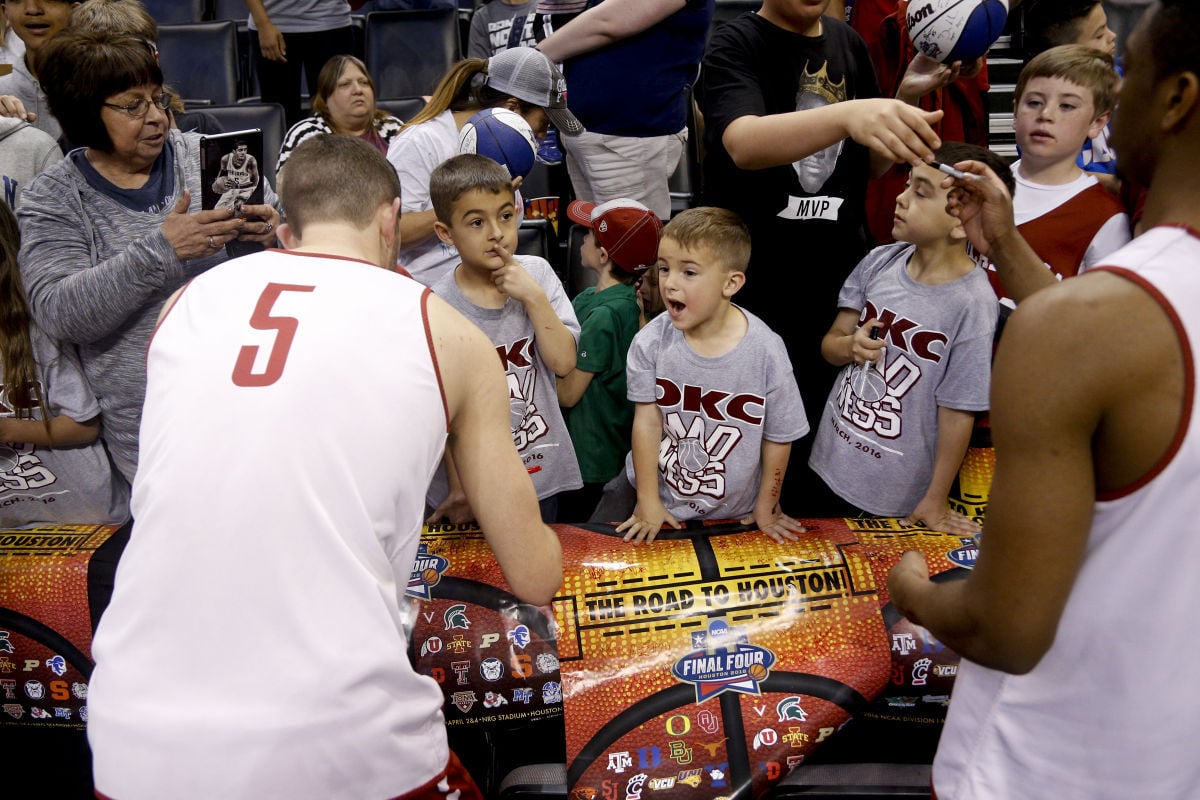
<point>768,516</point>
<point>606,23</point>
<point>572,386</point>
<point>847,341</point>
<point>649,514</point>
<point>252,172</point>
<point>219,184</point>
<point>1050,394</point>
<point>953,436</point>
<point>61,431</point>
<point>893,129</point>
<point>493,477</point>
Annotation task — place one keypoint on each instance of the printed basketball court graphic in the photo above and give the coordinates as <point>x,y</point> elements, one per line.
<point>711,661</point>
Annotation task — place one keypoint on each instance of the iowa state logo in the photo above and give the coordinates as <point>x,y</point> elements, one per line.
<point>725,663</point>
<point>426,573</point>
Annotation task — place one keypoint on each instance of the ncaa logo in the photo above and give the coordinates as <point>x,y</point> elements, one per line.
<point>431,646</point>
<point>35,690</point>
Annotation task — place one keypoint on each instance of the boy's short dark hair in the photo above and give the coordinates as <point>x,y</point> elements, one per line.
<point>79,70</point>
<point>953,152</point>
<point>1091,69</point>
<point>456,176</point>
<point>1050,23</point>
<point>719,229</point>
<point>338,178</point>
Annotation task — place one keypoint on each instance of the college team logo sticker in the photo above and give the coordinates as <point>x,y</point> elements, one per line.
<point>724,662</point>
<point>427,572</point>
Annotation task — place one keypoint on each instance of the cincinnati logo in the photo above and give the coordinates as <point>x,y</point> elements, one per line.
<point>427,572</point>
<point>964,556</point>
<point>728,666</point>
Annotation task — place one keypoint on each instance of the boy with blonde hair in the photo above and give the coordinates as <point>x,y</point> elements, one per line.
<point>520,304</point>
<point>913,334</point>
<point>1064,97</point>
<point>717,406</point>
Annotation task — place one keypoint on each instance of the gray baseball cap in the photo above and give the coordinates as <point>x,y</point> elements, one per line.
<point>526,74</point>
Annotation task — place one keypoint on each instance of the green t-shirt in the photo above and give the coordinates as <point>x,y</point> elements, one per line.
<point>601,423</point>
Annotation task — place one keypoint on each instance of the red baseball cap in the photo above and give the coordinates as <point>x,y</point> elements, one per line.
<point>625,228</point>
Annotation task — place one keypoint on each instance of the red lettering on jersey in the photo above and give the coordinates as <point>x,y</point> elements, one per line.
<point>516,354</point>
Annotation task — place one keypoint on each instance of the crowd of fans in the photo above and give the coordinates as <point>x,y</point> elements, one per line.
<point>832,278</point>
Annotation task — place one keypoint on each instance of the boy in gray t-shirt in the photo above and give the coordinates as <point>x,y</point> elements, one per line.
<point>520,304</point>
<point>717,406</point>
<point>914,331</point>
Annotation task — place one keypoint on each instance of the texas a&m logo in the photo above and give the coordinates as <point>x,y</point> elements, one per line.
<point>691,457</point>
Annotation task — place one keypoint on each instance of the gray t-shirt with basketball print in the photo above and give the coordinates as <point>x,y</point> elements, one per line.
<point>538,429</point>
<point>716,413</point>
<point>877,437</point>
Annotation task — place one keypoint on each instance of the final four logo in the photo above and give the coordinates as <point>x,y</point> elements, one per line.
<point>426,573</point>
<point>965,556</point>
<point>727,663</point>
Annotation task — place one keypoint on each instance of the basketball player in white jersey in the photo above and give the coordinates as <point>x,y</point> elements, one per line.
<point>297,404</point>
<point>237,179</point>
<point>1077,624</point>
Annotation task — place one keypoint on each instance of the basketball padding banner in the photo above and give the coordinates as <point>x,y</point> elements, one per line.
<point>709,663</point>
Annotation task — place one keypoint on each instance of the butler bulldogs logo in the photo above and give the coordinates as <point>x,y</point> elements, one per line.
<point>426,573</point>
<point>492,669</point>
<point>728,664</point>
<point>691,455</point>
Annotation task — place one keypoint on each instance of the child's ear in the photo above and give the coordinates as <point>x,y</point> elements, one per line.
<point>733,283</point>
<point>443,232</point>
<point>1098,124</point>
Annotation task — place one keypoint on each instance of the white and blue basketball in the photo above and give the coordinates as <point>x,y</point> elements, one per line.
<point>955,30</point>
<point>503,136</point>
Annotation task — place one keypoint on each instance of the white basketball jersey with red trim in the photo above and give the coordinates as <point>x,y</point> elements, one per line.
<point>255,645</point>
<point>1113,709</point>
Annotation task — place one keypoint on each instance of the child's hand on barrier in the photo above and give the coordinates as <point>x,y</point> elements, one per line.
<point>936,515</point>
<point>647,521</point>
<point>775,524</point>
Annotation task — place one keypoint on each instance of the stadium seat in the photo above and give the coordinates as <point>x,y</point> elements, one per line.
<point>199,61</point>
<point>228,9</point>
<point>174,12</point>
<point>533,239</point>
<point>579,277</point>
<point>684,183</point>
<point>267,116</point>
<point>407,52</point>
<point>402,108</point>
<point>542,781</point>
